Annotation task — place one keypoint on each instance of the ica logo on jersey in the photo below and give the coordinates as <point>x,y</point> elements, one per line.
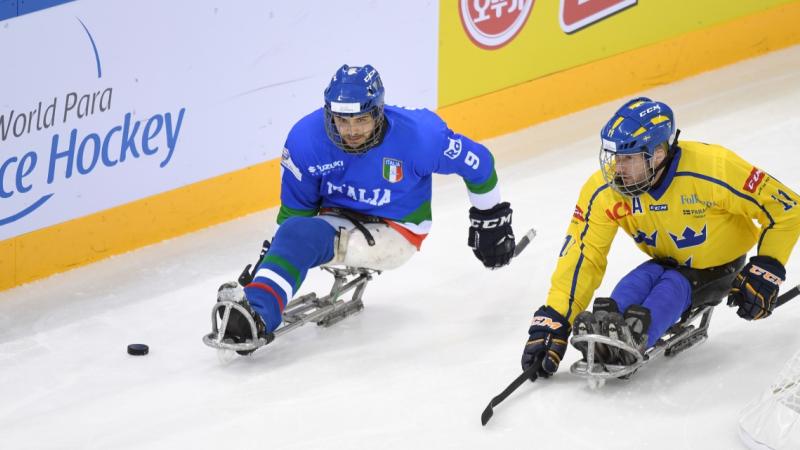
<point>618,211</point>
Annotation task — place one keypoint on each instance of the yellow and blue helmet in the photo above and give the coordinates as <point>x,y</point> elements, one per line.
<point>639,127</point>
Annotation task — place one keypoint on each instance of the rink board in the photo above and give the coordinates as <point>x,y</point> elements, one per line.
<point>247,181</point>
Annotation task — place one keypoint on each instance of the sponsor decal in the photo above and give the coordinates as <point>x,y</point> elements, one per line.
<point>658,208</point>
<point>578,214</point>
<point>618,211</point>
<point>577,14</point>
<point>491,223</point>
<point>322,169</point>
<point>649,110</point>
<point>491,24</point>
<point>767,275</point>
<point>752,182</point>
<point>392,170</point>
<point>83,151</point>
<point>454,149</point>
<point>695,200</point>
<point>544,321</point>
<point>694,212</point>
<point>689,238</point>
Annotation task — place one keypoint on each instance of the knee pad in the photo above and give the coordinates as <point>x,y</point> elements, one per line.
<point>391,249</point>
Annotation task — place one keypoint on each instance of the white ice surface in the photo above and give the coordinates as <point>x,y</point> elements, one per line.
<point>437,340</point>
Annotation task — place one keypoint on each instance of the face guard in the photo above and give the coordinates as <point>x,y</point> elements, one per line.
<point>353,93</point>
<point>630,174</point>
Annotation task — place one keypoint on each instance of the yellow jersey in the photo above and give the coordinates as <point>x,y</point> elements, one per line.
<point>702,215</point>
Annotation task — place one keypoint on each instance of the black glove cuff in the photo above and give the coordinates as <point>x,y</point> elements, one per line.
<point>499,209</point>
<point>547,318</point>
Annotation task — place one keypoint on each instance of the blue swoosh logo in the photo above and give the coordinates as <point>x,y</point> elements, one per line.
<point>94,47</point>
<point>26,211</point>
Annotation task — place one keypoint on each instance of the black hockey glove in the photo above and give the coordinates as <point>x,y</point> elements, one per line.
<point>491,236</point>
<point>547,342</point>
<point>755,289</point>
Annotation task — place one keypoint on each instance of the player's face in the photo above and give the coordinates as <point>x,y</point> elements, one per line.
<point>355,130</point>
<point>631,168</point>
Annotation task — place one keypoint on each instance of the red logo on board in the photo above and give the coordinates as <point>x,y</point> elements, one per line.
<point>491,24</point>
<point>576,14</point>
<point>752,182</point>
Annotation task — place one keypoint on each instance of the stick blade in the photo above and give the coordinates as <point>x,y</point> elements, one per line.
<point>486,415</point>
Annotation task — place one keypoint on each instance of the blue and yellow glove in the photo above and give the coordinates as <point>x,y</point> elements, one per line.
<point>755,289</point>
<point>547,341</point>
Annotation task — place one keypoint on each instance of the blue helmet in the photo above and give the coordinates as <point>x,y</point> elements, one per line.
<point>639,127</point>
<point>355,91</point>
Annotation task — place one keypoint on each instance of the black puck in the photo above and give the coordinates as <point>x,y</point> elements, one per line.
<point>138,349</point>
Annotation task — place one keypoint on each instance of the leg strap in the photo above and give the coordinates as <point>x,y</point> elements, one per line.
<point>357,219</point>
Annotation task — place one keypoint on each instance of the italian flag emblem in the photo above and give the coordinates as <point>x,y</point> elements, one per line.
<point>392,170</point>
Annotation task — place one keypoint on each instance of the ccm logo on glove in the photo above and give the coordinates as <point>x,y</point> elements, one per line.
<point>767,275</point>
<point>492,223</point>
<point>544,321</point>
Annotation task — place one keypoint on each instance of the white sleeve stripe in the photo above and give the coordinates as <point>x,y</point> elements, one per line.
<point>279,280</point>
<point>486,200</point>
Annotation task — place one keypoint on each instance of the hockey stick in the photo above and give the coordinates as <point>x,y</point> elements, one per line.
<point>529,373</point>
<point>788,295</point>
<point>524,241</point>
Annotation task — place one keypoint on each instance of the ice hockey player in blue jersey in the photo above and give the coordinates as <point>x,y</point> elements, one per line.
<point>356,191</point>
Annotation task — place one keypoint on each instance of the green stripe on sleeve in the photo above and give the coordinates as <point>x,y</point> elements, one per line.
<point>486,186</point>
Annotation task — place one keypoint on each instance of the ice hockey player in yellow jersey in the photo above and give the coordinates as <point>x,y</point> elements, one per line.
<point>692,208</point>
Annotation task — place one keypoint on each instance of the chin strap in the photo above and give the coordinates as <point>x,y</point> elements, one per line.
<point>673,148</point>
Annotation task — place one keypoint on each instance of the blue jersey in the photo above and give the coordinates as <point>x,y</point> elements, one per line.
<point>392,180</point>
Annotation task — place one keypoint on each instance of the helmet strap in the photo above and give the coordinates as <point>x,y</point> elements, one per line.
<point>671,151</point>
